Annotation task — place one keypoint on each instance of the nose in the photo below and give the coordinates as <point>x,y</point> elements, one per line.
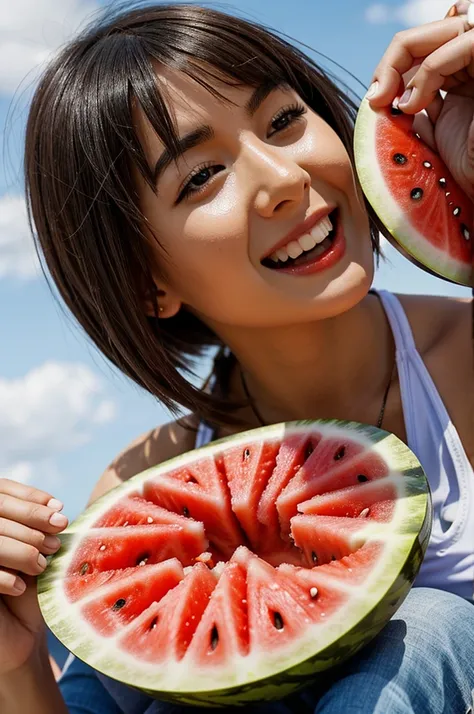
<point>279,184</point>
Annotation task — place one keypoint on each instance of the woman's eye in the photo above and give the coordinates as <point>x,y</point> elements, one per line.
<point>198,180</point>
<point>286,117</point>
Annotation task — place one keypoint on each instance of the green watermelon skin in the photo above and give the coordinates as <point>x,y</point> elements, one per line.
<point>387,592</point>
<point>434,232</point>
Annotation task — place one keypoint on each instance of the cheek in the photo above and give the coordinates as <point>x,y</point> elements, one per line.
<point>325,158</point>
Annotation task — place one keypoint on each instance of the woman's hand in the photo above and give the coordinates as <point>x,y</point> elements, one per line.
<point>433,57</point>
<point>29,522</point>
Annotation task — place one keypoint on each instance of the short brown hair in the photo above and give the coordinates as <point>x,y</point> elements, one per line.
<point>83,205</point>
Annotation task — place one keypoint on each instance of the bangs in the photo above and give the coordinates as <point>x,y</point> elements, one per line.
<point>206,47</point>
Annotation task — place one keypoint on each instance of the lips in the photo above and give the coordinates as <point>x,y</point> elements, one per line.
<point>301,230</point>
<point>325,249</point>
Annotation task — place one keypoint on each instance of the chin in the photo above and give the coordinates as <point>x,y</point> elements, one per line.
<point>346,291</point>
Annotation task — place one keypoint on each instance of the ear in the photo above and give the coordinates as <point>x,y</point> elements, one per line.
<point>163,303</point>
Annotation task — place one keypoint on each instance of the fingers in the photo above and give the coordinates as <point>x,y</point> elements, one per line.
<point>409,46</point>
<point>28,493</point>
<point>422,89</point>
<point>31,514</point>
<point>46,544</point>
<point>11,583</point>
<point>19,556</point>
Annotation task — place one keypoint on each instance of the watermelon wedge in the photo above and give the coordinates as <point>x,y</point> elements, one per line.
<point>428,216</point>
<point>242,571</point>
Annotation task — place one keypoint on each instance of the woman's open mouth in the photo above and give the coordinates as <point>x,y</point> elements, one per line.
<point>321,248</point>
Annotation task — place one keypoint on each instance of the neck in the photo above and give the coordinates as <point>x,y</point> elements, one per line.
<point>334,368</point>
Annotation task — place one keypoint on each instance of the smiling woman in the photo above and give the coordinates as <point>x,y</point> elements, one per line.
<point>190,181</point>
<point>179,136</point>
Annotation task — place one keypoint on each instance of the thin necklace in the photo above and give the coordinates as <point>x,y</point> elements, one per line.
<point>263,423</point>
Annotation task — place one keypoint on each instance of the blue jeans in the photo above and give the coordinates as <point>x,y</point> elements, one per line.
<point>421,663</point>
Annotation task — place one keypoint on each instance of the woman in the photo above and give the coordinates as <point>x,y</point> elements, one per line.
<point>177,160</point>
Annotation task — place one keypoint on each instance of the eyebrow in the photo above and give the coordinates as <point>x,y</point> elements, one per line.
<point>206,132</point>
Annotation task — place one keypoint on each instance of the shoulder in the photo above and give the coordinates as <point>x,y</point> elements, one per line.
<point>443,332</point>
<point>439,322</point>
<point>151,448</point>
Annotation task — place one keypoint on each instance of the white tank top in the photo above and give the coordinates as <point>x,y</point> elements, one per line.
<point>431,435</point>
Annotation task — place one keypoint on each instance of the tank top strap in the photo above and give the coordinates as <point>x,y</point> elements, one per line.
<point>430,432</point>
<point>401,329</point>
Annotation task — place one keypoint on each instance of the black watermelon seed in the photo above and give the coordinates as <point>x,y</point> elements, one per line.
<point>314,557</point>
<point>153,623</point>
<point>465,231</point>
<point>119,604</point>
<point>427,165</point>
<point>400,159</point>
<point>333,557</point>
<point>308,450</point>
<point>84,568</point>
<point>214,638</point>
<point>278,621</point>
<point>185,512</point>
<point>190,479</point>
<point>340,453</point>
<point>456,211</point>
<point>246,454</point>
<point>416,193</point>
<point>361,478</point>
<point>395,111</point>
<point>442,182</point>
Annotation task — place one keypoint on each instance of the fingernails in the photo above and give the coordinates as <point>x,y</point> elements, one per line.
<point>19,585</point>
<point>58,520</point>
<point>51,542</point>
<point>452,12</point>
<point>372,91</point>
<point>42,562</point>
<point>406,96</point>
<point>54,504</point>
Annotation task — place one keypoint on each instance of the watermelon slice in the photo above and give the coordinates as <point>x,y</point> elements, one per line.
<point>235,573</point>
<point>430,219</point>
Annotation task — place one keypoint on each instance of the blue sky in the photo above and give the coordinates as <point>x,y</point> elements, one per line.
<point>64,412</point>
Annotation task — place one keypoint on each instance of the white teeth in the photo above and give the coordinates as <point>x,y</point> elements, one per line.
<point>282,255</point>
<point>294,249</point>
<point>307,241</point>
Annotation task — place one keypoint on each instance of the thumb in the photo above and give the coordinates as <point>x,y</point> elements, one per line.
<point>25,608</point>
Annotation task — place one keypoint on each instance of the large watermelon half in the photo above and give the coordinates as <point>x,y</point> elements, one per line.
<point>429,218</point>
<point>240,571</point>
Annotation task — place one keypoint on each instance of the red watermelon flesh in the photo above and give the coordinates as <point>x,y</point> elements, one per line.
<point>248,470</point>
<point>166,628</point>
<point>177,594</point>
<point>372,499</point>
<point>414,194</point>
<point>338,468</point>
<point>137,511</point>
<point>104,550</point>
<point>351,570</point>
<point>223,631</point>
<point>121,601</point>
<point>293,453</point>
<point>326,538</point>
<point>199,491</point>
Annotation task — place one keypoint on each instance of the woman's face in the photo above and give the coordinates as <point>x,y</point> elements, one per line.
<point>262,178</point>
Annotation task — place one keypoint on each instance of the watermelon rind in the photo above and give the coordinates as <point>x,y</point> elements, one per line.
<point>399,232</point>
<point>262,675</point>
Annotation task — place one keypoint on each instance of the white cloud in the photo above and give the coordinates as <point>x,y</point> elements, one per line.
<point>17,253</point>
<point>52,409</point>
<point>414,12</point>
<point>31,31</point>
